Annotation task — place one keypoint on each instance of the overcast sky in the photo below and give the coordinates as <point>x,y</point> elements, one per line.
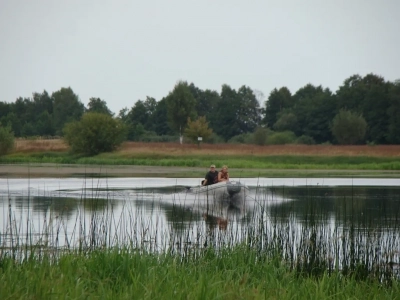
<point>123,51</point>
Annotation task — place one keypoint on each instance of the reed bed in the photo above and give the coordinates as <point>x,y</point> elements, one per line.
<point>265,255</point>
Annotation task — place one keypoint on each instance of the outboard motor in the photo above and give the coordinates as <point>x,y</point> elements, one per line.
<point>237,193</point>
<point>233,187</point>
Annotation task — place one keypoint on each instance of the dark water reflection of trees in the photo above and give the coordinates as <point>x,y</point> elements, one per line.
<point>363,206</point>
<point>60,205</point>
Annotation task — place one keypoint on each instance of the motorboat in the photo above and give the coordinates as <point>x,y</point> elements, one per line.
<point>218,198</point>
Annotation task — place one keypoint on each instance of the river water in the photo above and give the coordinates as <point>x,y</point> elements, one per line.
<point>157,213</point>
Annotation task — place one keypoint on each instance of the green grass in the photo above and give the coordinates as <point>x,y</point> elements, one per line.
<point>240,166</point>
<point>237,273</point>
<point>240,161</point>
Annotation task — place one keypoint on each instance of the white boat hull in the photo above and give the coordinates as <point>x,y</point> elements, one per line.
<point>220,198</point>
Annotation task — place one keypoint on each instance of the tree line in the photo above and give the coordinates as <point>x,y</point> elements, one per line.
<point>362,110</point>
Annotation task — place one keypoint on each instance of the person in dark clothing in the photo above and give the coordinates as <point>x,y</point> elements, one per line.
<point>211,176</point>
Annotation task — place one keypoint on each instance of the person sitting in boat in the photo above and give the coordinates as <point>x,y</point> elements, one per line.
<point>223,175</point>
<point>211,176</point>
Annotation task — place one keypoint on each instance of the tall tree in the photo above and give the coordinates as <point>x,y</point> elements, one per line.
<point>43,102</point>
<point>306,92</point>
<point>150,105</point>
<point>180,107</point>
<point>249,112</point>
<point>314,109</point>
<point>206,101</point>
<point>277,101</point>
<point>237,112</point>
<point>5,108</point>
<point>66,108</point>
<point>351,94</point>
<point>21,113</point>
<point>393,135</point>
<point>12,120</point>
<point>160,119</point>
<point>368,95</point>
<point>99,106</point>
<point>141,118</point>
<point>44,124</point>
<point>25,114</point>
<point>43,111</point>
<point>226,125</point>
<point>375,105</point>
<point>22,107</point>
<point>135,119</point>
<point>138,113</point>
<point>123,115</point>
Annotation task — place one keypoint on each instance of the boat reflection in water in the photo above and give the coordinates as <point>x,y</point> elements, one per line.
<point>219,202</point>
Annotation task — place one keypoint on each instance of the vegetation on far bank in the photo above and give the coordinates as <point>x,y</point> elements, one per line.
<point>364,110</point>
<point>252,160</point>
<point>33,146</point>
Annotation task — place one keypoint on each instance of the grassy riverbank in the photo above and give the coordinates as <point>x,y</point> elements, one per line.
<point>243,160</point>
<point>231,274</point>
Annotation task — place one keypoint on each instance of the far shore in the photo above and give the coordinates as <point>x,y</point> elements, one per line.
<point>64,170</point>
<point>39,158</point>
<point>57,170</point>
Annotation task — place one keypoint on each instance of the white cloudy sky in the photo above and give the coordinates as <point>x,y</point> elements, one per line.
<point>125,50</point>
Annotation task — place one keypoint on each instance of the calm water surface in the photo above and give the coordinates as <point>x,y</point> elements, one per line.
<point>157,213</point>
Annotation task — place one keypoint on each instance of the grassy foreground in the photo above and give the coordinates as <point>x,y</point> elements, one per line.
<point>246,160</point>
<point>231,274</point>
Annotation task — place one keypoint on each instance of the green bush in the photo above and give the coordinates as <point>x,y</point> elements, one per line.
<point>6,140</point>
<point>135,131</point>
<point>286,121</point>
<point>244,138</point>
<point>305,140</point>
<point>94,133</point>
<point>260,135</point>
<point>214,139</point>
<point>281,138</point>
<point>349,128</point>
